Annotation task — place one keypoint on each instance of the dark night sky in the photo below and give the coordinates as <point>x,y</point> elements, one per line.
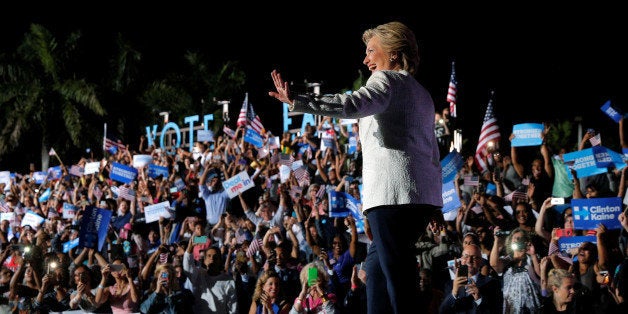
<point>542,63</point>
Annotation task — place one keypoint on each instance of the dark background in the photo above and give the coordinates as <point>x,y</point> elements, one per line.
<point>544,64</point>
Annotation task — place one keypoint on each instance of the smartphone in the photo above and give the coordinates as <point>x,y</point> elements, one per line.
<point>557,201</point>
<point>164,277</point>
<point>116,267</point>
<point>312,276</point>
<point>174,189</point>
<point>200,240</point>
<point>567,232</point>
<point>463,271</point>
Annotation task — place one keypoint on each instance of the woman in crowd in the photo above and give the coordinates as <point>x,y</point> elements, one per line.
<point>521,270</point>
<point>314,297</point>
<point>268,296</point>
<point>123,295</point>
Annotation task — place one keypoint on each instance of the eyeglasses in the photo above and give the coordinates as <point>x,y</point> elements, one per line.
<point>472,258</point>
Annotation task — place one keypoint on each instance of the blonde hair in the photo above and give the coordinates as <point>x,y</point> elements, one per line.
<point>261,281</point>
<point>398,38</point>
<point>556,276</point>
<point>173,283</point>
<point>322,272</point>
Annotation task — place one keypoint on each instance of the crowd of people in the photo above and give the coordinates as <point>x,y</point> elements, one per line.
<point>278,247</point>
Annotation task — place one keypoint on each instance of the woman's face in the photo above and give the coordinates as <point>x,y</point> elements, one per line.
<point>377,58</point>
<point>521,212</point>
<point>564,293</point>
<point>271,287</point>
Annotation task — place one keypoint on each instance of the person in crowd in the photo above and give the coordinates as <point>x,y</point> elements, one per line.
<point>472,292</point>
<point>53,295</point>
<point>391,103</point>
<point>268,296</point>
<point>165,295</point>
<point>84,297</point>
<point>314,296</point>
<point>561,296</point>
<point>123,295</point>
<point>214,290</point>
<point>216,198</point>
<point>540,175</point>
<point>520,271</point>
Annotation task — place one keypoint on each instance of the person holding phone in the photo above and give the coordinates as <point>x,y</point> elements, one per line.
<point>470,291</point>
<point>166,296</point>
<point>314,297</point>
<point>123,295</point>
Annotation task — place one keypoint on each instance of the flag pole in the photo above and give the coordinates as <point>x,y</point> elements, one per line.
<point>104,137</point>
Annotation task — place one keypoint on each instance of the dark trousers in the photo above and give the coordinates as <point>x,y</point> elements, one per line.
<point>391,264</point>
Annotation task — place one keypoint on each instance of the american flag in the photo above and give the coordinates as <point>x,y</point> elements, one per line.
<point>113,145</point>
<point>231,133</point>
<point>596,140</point>
<point>126,193</point>
<point>242,116</point>
<point>302,176</point>
<point>254,246</point>
<point>451,91</point>
<point>286,159</point>
<point>488,134</point>
<point>254,120</point>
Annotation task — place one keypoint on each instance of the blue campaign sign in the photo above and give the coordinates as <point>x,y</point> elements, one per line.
<point>589,212</point>
<point>527,134</point>
<point>583,161</point>
<point>342,204</point>
<point>254,138</point>
<point>54,173</point>
<point>450,165</point>
<point>602,157</point>
<point>565,244</point>
<point>611,112</point>
<point>154,171</point>
<point>122,173</point>
<point>94,224</point>
<point>67,246</point>
<point>451,200</point>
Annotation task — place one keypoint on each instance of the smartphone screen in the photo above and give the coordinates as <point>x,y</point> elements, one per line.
<point>312,276</point>
<point>201,239</point>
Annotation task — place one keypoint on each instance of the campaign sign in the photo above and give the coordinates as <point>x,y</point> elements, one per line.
<point>566,244</point>
<point>39,177</point>
<point>250,136</point>
<point>238,184</point>
<point>153,212</point>
<point>154,171</point>
<point>122,173</point>
<point>451,201</point>
<point>69,211</point>
<point>140,161</point>
<point>588,213</point>
<point>527,134</point>
<point>92,167</point>
<point>611,112</point>
<point>204,136</point>
<point>94,224</point>
<point>602,157</point>
<point>67,246</point>
<point>342,204</point>
<point>451,164</point>
<point>54,173</point>
<point>583,161</point>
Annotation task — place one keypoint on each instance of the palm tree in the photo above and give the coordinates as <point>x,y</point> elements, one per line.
<point>42,98</point>
<point>195,90</point>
